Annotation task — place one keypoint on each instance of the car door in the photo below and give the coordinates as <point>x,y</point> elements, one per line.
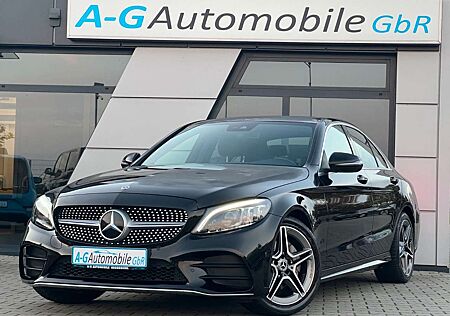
<point>349,206</point>
<point>386,195</point>
<point>385,191</point>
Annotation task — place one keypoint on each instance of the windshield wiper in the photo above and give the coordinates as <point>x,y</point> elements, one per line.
<point>148,167</point>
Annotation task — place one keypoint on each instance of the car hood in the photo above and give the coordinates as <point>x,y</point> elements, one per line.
<point>207,185</point>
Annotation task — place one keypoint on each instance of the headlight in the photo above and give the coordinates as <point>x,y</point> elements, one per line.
<point>232,216</point>
<point>42,213</point>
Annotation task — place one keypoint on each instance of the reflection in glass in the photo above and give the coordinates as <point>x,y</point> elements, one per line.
<point>362,148</point>
<point>43,135</point>
<point>63,69</point>
<point>17,195</point>
<point>335,142</point>
<point>300,107</point>
<point>7,124</point>
<point>35,128</point>
<point>102,102</point>
<point>355,75</point>
<point>315,74</point>
<point>253,143</point>
<point>48,124</point>
<point>15,175</point>
<point>61,172</point>
<point>237,106</point>
<point>276,73</point>
<point>371,116</point>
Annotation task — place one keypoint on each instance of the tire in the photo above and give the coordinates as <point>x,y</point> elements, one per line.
<point>395,270</point>
<point>308,275</point>
<point>64,296</point>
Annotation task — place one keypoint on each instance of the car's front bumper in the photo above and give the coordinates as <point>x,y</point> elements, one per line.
<point>135,288</point>
<point>226,264</point>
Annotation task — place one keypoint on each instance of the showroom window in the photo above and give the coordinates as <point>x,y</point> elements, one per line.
<point>47,110</point>
<point>359,89</point>
<point>50,105</point>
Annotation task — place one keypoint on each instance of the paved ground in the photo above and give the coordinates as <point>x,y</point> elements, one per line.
<point>10,237</point>
<point>359,294</point>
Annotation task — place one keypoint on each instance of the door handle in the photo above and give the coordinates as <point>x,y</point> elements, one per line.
<point>394,180</point>
<point>362,179</point>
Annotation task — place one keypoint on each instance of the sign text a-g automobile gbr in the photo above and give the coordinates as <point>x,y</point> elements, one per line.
<point>331,21</point>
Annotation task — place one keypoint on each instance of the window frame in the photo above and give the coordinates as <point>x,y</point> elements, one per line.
<point>73,153</point>
<point>55,170</point>
<point>312,59</point>
<point>355,151</point>
<point>233,88</point>
<point>343,125</point>
<point>336,125</point>
<point>380,153</point>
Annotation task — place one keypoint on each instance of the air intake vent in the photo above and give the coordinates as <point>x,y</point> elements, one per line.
<point>226,271</point>
<point>33,262</point>
<point>159,271</point>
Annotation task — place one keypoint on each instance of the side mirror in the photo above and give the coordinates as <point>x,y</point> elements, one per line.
<point>49,171</point>
<point>347,163</point>
<point>129,159</point>
<point>37,180</point>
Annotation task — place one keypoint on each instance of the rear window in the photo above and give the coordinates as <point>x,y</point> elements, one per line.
<point>14,175</point>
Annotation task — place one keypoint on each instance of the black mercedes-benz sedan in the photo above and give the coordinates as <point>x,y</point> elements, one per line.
<point>263,209</point>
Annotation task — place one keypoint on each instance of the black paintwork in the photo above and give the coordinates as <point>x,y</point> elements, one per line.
<point>352,215</point>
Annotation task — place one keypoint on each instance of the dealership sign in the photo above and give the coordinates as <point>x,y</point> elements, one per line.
<point>319,21</point>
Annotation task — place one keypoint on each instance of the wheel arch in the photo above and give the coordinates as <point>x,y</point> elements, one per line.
<point>408,210</point>
<point>300,214</point>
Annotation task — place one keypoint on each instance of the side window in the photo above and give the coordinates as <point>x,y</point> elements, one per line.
<point>362,148</point>
<point>57,164</point>
<point>62,162</point>
<point>335,141</point>
<point>379,157</point>
<point>73,160</point>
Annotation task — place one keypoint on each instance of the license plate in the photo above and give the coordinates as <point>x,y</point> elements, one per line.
<point>109,258</point>
<point>3,204</point>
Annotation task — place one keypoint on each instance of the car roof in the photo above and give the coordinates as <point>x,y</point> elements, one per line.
<point>303,119</point>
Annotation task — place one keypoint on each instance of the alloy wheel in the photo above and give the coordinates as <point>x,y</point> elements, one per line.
<point>292,267</point>
<point>406,247</point>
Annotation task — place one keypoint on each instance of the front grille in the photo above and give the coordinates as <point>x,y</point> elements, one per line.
<point>137,214</point>
<point>91,235</point>
<point>153,225</point>
<point>157,271</point>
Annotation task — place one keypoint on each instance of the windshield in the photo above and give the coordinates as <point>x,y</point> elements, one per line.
<point>255,143</point>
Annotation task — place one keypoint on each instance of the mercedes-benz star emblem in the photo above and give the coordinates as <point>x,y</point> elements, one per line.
<point>114,225</point>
